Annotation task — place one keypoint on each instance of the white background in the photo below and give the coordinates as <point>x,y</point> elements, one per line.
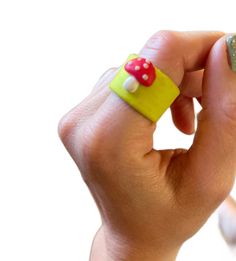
<point>51,55</point>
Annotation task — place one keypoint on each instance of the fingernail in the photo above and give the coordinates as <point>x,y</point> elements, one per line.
<point>231,44</point>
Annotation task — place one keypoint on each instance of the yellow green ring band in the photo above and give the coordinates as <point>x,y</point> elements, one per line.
<point>151,101</point>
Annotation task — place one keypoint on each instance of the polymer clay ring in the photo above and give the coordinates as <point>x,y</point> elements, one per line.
<point>144,87</point>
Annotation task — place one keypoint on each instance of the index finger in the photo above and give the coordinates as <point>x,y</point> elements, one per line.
<point>174,53</point>
<point>178,52</point>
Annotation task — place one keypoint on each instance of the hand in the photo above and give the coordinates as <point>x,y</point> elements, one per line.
<point>152,201</point>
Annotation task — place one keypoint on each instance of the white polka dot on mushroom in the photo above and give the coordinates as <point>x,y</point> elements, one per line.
<point>145,77</point>
<point>145,65</point>
<point>137,68</point>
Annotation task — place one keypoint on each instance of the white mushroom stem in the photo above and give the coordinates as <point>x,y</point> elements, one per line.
<point>131,84</point>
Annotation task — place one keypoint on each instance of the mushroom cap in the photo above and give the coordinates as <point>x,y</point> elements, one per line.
<point>142,69</point>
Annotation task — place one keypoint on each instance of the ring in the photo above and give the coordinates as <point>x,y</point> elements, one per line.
<point>144,87</point>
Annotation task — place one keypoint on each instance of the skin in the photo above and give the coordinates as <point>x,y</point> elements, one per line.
<point>152,201</point>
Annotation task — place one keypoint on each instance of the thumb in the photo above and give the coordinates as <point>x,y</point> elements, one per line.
<point>212,157</point>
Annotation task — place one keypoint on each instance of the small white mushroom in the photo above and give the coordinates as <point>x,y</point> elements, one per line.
<point>131,84</point>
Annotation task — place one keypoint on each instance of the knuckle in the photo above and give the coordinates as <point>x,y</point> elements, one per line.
<point>73,119</point>
<point>65,126</point>
<point>69,122</point>
<point>83,143</point>
<point>170,48</point>
<point>168,35</point>
<point>164,39</point>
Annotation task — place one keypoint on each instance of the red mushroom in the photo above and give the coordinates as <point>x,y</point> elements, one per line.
<point>141,71</point>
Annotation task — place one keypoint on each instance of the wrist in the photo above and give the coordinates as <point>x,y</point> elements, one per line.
<point>110,247</point>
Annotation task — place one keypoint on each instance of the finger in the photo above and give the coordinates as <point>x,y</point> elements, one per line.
<point>172,52</point>
<point>213,152</point>
<point>82,112</point>
<point>104,80</point>
<point>178,52</point>
<point>182,111</point>
<point>191,85</point>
